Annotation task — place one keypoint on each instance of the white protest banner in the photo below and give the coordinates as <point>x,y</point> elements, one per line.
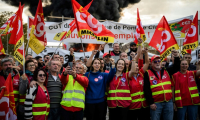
<point>124,33</point>
<point>64,53</point>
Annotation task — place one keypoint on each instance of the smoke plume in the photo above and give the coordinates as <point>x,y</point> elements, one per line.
<point>100,9</point>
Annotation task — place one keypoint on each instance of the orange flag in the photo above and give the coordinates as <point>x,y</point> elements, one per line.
<point>7,102</point>
<point>2,51</point>
<point>139,29</point>
<point>88,25</point>
<point>191,39</point>
<point>163,39</point>
<point>38,39</point>
<point>65,34</point>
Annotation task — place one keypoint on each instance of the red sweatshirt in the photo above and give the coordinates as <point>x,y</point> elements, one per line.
<point>81,80</point>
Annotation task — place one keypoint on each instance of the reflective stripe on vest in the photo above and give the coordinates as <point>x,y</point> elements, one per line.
<point>22,98</point>
<point>192,87</point>
<point>16,93</point>
<point>119,98</point>
<point>161,84</point>
<point>139,99</point>
<point>41,112</point>
<point>160,87</point>
<point>41,105</point>
<point>73,94</point>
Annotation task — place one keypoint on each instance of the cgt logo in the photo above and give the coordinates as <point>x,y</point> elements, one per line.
<point>6,114</point>
<point>94,24</point>
<point>194,29</point>
<point>168,37</point>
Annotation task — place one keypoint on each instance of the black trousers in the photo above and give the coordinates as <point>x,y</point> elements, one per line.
<point>139,114</point>
<point>68,115</point>
<point>95,111</point>
<point>118,113</point>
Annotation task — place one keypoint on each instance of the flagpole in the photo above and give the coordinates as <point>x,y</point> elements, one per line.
<point>27,36</point>
<point>23,60</point>
<point>2,32</point>
<point>82,46</point>
<point>60,41</point>
<point>198,36</point>
<point>7,43</point>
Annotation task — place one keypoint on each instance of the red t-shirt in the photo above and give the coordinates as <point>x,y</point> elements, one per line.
<point>184,90</point>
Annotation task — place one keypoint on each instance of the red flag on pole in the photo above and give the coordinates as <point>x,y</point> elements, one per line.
<point>29,26</point>
<point>18,39</point>
<point>139,29</point>
<point>38,39</point>
<point>7,102</point>
<point>88,25</point>
<point>64,35</point>
<point>191,39</point>
<point>7,27</point>
<point>163,39</point>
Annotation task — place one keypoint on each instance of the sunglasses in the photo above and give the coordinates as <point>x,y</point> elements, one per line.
<point>40,75</point>
<point>158,61</point>
<point>107,56</point>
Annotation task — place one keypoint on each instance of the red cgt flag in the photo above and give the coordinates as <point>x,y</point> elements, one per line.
<point>29,25</point>
<point>139,29</point>
<point>7,102</point>
<point>191,39</point>
<point>88,25</point>
<point>38,39</point>
<point>7,27</point>
<point>65,34</point>
<point>163,39</point>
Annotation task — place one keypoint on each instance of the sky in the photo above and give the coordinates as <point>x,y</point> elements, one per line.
<point>151,11</point>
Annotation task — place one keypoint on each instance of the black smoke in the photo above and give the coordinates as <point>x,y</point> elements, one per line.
<point>100,9</point>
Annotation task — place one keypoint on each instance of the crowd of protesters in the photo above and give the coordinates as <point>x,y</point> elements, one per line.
<point>138,88</point>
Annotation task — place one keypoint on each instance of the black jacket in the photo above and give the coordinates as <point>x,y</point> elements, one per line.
<point>171,70</point>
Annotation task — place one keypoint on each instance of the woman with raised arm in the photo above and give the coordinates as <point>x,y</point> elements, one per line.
<point>119,98</point>
<point>94,99</point>
<point>185,93</point>
<point>138,110</point>
<point>37,103</point>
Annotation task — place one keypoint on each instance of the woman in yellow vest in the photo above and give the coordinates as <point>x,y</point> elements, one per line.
<point>186,96</point>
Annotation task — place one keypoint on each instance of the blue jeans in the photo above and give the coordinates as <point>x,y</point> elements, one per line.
<point>192,112</point>
<point>163,107</point>
<point>54,114</point>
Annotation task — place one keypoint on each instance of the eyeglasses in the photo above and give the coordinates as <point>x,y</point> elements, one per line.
<point>31,65</point>
<point>158,61</point>
<point>78,68</point>
<point>40,75</point>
